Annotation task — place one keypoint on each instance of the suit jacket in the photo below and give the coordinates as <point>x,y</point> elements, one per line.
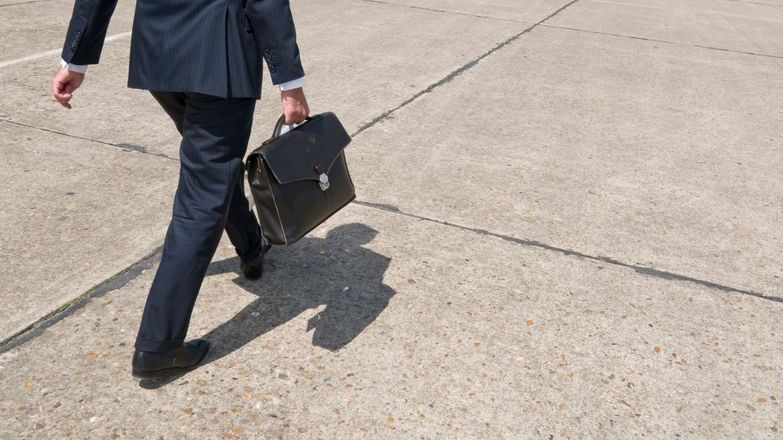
<point>214,47</point>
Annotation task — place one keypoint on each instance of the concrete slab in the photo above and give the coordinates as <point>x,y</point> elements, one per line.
<point>72,214</point>
<point>663,156</point>
<point>104,109</point>
<point>622,162</point>
<point>357,66</point>
<point>358,335</point>
<point>527,11</point>
<point>32,27</point>
<point>730,25</point>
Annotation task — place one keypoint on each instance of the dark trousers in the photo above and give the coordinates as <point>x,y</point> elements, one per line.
<point>210,197</point>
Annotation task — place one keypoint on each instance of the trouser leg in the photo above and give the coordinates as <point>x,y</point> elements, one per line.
<point>215,132</point>
<point>173,103</point>
<point>242,226</point>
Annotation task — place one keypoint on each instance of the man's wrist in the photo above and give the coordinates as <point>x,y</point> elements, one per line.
<point>77,68</point>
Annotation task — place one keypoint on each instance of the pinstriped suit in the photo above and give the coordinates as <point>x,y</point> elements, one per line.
<point>201,59</point>
<point>213,47</point>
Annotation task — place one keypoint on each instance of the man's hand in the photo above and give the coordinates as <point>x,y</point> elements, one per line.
<point>65,83</point>
<point>295,106</point>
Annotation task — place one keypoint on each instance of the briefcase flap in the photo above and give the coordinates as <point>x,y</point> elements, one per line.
<point>307,151</point>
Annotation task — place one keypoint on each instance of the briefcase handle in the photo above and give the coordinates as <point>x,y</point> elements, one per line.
<point>279,125</point>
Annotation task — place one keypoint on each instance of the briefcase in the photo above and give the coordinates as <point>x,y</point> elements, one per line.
<point>300,178</point>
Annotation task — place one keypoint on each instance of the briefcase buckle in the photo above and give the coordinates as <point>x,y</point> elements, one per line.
<point>323,181</point>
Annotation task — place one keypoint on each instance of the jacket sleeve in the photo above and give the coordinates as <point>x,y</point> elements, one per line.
<point>275,35</point>
<point>87,30</point>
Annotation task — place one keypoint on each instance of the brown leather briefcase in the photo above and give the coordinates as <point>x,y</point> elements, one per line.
<point>300,179</point>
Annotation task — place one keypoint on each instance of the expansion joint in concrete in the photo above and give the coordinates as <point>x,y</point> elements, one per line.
<point>654,40</point>
<point>23,3</point>
<point>124,147</point>
<point>643,270</point>
<point>459,71</point>
<point>119,280</point>
<point>757,3</point>
<point>444,11</point>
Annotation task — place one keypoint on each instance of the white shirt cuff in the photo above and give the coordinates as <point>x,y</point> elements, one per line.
<point>293,84</point>
<point>73,67</point>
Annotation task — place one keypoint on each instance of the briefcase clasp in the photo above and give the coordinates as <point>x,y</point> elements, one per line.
<point>323,181</point>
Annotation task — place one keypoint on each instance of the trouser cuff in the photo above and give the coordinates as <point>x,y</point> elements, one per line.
<point>254,252</point>
<point>158,346</point>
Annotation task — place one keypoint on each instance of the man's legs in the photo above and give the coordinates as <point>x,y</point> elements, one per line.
<point>241,225</point>
<point>215,132</point>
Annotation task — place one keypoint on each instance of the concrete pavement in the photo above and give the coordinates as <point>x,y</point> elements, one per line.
<point>568,225</point>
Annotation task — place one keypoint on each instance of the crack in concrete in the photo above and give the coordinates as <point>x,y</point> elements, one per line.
<point>117,281</point>
<point>654,40</point>
<point>123,146</point>
<point>459,71</point>
<point>383,116</point>
<point>756,3</point>
<point>129,274</point>
<point>643,270</point>
<point>445,11</point>
<point>24,3</point>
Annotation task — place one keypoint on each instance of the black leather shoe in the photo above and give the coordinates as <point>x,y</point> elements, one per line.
<point>188,356</point>
<point>254,268</point>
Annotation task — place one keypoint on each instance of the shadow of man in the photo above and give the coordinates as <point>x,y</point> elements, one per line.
<point>336,272</point>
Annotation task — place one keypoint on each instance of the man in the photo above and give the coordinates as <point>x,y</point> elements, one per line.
<point>201,60</point>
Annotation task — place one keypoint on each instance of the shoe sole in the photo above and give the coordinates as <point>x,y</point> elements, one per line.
<point>168,371</point>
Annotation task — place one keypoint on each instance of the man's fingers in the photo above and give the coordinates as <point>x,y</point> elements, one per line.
<point>62,100</point>
<point>60,95</point>
<point>295,119</point>
<point>57,87</point>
